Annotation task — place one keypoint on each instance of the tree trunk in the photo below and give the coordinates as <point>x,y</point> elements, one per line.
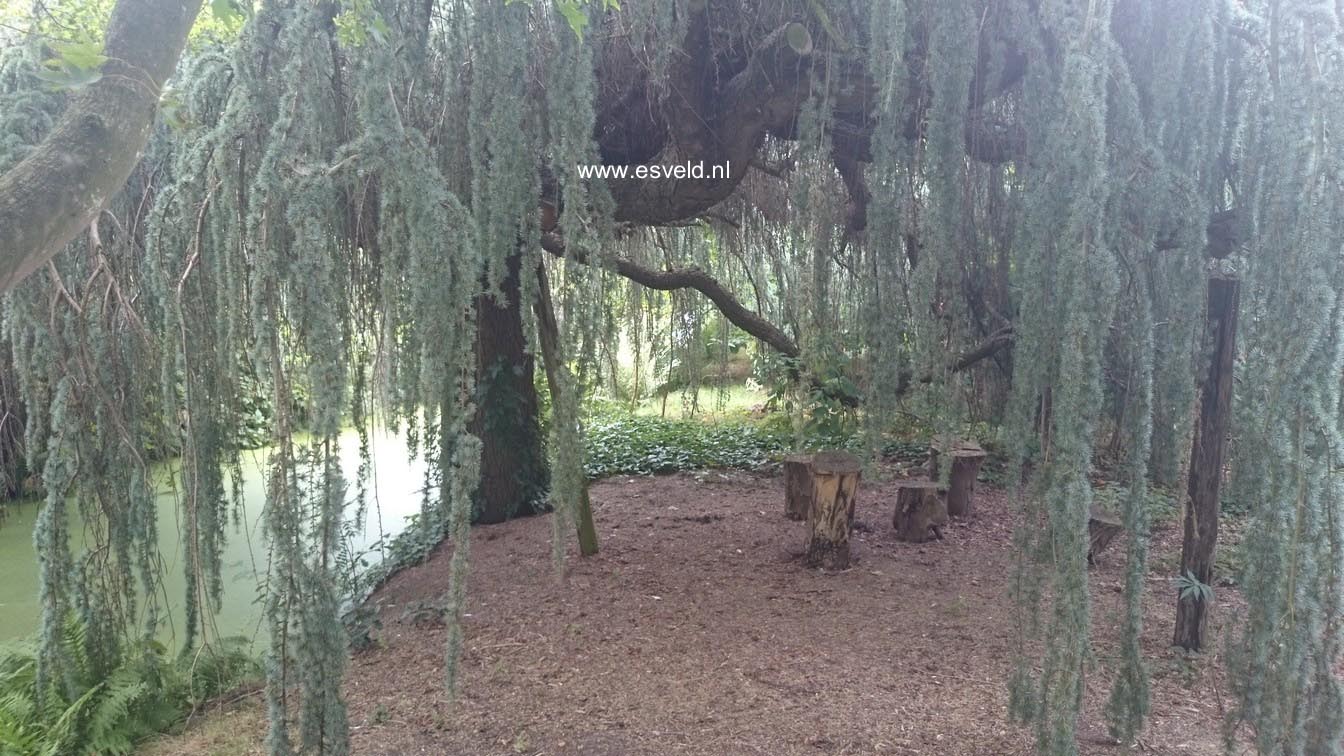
<point>514,476</point>
<point>921,511</point>
<point>835,487</point>
<point>961,485</point>
<point>1206,459</point>
<point>797,486</point>
<point>548,333</point>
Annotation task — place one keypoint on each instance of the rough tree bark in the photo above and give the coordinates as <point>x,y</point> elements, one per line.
<point>1206,459</point>
<point>835,487</point>
<point>58,189</point>
<point>797,486</point>
<point>514,475</point>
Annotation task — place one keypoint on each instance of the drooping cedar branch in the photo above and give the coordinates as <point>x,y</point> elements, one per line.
<point>57,190</point>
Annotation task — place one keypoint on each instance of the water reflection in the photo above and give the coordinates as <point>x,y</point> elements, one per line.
<point>394,489</point>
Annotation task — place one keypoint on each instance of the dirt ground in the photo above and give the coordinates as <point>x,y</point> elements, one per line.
<point>697,630</point>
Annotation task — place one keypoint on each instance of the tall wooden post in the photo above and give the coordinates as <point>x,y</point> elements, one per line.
<point>797,486</point>
<point>1206,458</point>
<point>548,332</point>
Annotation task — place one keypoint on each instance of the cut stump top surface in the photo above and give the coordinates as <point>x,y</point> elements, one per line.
<point>918,484</point>
<point>835,462</point>
<point>972,452</point>
<point>1102,516</point>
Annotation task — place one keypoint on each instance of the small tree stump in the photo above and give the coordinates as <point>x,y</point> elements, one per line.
<point>1102,528</point>
<point>797,486</point>
<point>835,487</point>
<point>921,511</point>
<point>961,485</point>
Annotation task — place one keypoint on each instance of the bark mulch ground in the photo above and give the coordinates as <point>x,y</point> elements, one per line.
<point>697,630</point>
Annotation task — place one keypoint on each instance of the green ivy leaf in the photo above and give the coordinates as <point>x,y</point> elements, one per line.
<point>574,13</point>
<point>80,55</point>
<point>68,77</point>
<point>227,12</point>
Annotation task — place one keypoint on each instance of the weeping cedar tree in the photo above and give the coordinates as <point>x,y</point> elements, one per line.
<point>350,210</point>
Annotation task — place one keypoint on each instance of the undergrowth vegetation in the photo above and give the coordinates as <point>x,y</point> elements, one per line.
<point>107,702</point>
<point>643,445</point>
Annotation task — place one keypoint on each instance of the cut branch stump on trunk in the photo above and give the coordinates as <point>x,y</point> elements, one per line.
<point>961,485</point>
<point>921,511</point>
<point>835,487</point>
<point>797,486</point>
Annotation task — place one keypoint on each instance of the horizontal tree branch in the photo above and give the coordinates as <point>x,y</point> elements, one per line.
<point>751,322</point>
<point>997,342</point>
<point>686,278</point>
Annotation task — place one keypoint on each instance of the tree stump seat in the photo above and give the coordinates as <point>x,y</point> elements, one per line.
<point>966,461</point>
<point>921,511</point>
<point>941,447</point>
<point>1102,528</point>
<point>835,486</point>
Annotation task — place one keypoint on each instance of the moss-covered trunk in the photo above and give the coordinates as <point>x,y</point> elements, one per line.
<point>514,475</point>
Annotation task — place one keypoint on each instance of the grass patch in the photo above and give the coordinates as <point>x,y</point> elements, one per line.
<point>711,402</point>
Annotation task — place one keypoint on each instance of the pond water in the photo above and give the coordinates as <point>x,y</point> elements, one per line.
<point>395,483</point>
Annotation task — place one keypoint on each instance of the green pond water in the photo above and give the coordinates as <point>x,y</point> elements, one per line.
<point>394,495</point>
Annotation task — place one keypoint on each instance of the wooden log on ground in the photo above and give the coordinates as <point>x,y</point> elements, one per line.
<point>797,486</point>
<point>961,484</point>
<point>921,511</point>
<point>1102,528</point>
<point>835,487</point>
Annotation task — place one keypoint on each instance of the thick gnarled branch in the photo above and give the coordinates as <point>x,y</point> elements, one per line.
<point>56,191</point>
<point>768,91</point>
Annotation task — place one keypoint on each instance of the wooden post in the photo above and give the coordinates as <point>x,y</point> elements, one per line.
<point>797,486</point>
<point>548,334</point>
<point>966,462</point>
<point>1206,458</point>
<point>921,511</point>
<point>835,486</point>
<point>936,447</point>
<point>1101,530</point>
